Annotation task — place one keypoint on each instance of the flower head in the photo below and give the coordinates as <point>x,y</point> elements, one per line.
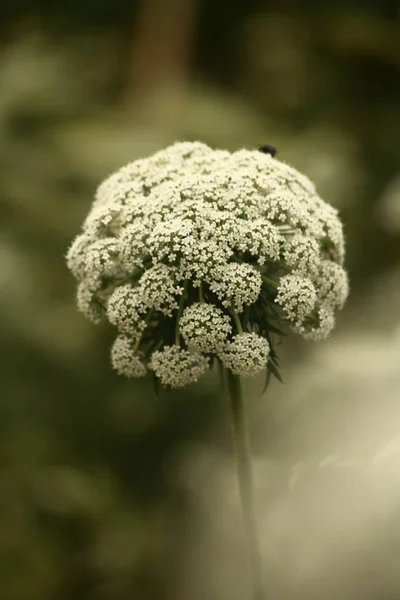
<point>77,255</point>
<point>132,251</point>
<point>89,303</point>
<point>259,238</point>
<point>160,289</point>
<point>297,297</point>
<point>125,358</point>
<point>236,285</point>
<point>204,327</point>
<point>125,310</point>
<point>332,284</point>
<point>186,249</point>
<point>247,354</point>
<point>302,254</point>
<point>319,327</point>
<point>176,367</point>
<point>101,260</point>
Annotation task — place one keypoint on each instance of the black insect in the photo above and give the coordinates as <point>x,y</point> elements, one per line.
<point>267,149</point>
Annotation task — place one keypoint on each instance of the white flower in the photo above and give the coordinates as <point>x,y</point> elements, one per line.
<point>125,310</point>
<point>236,285</point>
<point>113,190</point>
<point>89,303</point>
<point>320,328</point>
<point>332,284</point>
<point>302,254</point>
<point>101,260</point>
<point>240,226</point>
<point>246,355</point>
<point>282,205</point>
<point>77,255</point>
<point>204,327</point>
<point>333,238</point>
<point>297,297</point>
<point>202,259</point>
<point>261,239</point>
<point>159,288</point>
<point>132,245</point>
<point>176,367</point>
<point>125,359</point>
<point>182,150</point>
<point>102,221</point>
<point>135,210</point>
<point>170,240</point>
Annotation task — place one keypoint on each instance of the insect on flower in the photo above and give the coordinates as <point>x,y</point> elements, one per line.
<point>268,149</point>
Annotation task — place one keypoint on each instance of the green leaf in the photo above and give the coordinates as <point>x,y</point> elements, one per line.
<point>274,370</point>
<point>267,380</point>
<point>274,329</point>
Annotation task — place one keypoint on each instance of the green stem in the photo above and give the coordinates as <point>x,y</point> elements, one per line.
<point>177,342</point>
<point>270,282</point>
<point>245,479</point>
<point>237,321</point>
<point>201,292</point>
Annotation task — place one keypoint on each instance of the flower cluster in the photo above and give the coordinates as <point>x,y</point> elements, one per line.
<point>297,297</point>
<point>125,309</point>
<point>177,367</point>
<point>246,354</point>
<point>193,253</point>
<point>236,285</point>
<point>205,327</point>
<point>159,289</point>
<point>125,358</point>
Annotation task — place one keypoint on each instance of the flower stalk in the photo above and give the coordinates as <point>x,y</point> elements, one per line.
<point>245,480</point>
<point>201,293</point>
<point>269,282</point>
<point>237,322</point>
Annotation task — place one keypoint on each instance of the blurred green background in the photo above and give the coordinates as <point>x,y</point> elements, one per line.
<point>106,492</point>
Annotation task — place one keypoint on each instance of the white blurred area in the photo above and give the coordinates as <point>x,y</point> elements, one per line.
<point>327,468</point>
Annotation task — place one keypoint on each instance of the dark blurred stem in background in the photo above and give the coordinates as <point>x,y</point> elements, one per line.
<point>246,485</point>
<point>162,48</point>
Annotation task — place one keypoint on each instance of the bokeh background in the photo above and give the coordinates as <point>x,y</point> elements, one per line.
<point>107,492</point>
